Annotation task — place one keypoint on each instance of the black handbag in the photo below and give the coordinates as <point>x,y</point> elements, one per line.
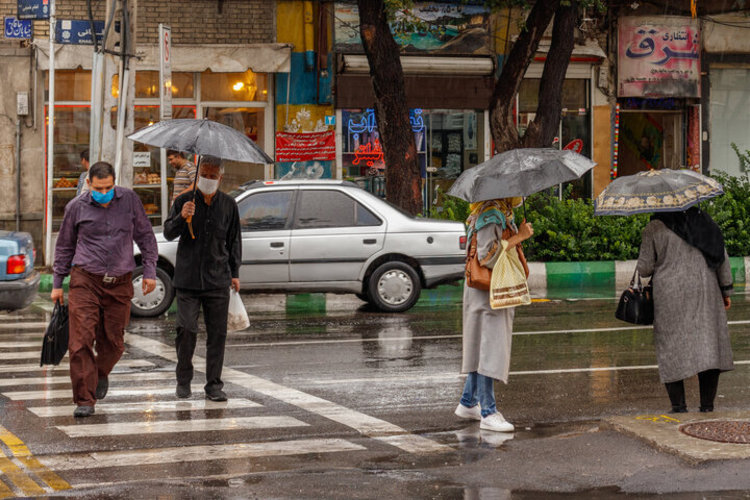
<point>55,343</point>
<point>637,303</point>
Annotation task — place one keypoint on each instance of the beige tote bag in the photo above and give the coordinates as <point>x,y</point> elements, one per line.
<point>509,287</point>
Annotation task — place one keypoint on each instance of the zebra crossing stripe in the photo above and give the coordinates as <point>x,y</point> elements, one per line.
<point>146,407</point>
<point>32,325</point>
<point>178,454</point>
<point>365,424</point>
<point>168,426</point>
<point>63,379</point>
<point>68,394</point>
<point>22,453</point>
<point>16,345</point>
<point>123,363</point>
<point>21,354</point>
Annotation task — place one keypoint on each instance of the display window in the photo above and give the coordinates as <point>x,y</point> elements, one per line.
<point>238,100</point>
<point>574,131</point>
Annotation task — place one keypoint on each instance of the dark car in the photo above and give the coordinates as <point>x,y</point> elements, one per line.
<point>19,281</point>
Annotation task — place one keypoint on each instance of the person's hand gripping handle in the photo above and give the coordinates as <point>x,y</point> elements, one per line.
<point>188,210</point>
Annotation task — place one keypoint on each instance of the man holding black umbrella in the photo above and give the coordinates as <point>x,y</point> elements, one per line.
<point>209,254</point>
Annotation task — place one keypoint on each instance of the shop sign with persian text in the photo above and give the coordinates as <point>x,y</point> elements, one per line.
<point>17,28</point>
<point>33,9</point>
<point>320,146</point>
<point>658,57</point>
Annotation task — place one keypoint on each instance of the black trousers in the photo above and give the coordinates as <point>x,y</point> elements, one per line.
<point>215,304</point>
<point>708,382</point>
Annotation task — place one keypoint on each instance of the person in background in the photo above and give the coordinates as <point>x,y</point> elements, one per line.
<point>487,332</point>
<point>207,265</point>
<point>692,279</point>
<point>184,173</point>
<point>82,185</point>
<point>95,246</point>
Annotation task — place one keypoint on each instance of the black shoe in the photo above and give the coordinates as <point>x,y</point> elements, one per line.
<point>83,411</point>
<point>216,395</point>
<point>706,409</point>
<point>101,388</point>
<point>679,409</point>
<point>183,391</point>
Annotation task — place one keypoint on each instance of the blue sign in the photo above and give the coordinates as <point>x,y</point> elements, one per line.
<point>77,32</point>
<point>16,28</point>
<point>33,9</point>
<point>330,119</point>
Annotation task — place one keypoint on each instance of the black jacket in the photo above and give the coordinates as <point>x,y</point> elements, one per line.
<point>213,258</point>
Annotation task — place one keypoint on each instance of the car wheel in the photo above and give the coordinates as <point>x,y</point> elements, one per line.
<point>156,302</point>
<point>394,287</point>
<point>362,296</point>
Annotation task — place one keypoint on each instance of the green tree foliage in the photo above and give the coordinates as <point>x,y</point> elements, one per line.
<point>732,213</point>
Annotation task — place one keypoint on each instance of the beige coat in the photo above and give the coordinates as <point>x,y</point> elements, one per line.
<point>486,331</point>
<point>690,323</point>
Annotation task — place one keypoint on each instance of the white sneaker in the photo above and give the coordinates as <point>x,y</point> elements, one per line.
<point>473,413</point>
<point>496,422</point>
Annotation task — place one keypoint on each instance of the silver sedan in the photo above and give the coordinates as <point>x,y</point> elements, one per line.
<point>327,236</point>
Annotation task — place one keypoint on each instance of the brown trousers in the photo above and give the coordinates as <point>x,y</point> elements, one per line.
<point>98,313</point>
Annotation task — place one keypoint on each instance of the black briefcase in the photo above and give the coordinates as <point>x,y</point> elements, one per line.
<point>55,343</point>
<point>636,303</point>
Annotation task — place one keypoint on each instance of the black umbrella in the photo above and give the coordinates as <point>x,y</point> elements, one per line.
<point>202,137</point>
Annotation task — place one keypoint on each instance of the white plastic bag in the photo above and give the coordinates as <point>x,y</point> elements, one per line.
<point>237,319</point>
<point>508,287</point>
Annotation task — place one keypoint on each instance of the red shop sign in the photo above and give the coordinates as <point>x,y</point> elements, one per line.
<point>319,146</point>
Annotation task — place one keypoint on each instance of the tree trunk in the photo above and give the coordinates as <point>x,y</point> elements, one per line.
<point>502,123</point>
<point>403,181</point>
<point>541,132</point>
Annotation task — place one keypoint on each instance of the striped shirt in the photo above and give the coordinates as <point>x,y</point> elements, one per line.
<point>183,178</point>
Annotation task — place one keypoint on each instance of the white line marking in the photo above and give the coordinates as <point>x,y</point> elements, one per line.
<point>146,407</point>
<point>457,336</point>
<point>114,379</point>
<point>180,426</point>
<point>365,424</point>
<point>16,345</point>
<point>143,392</point>
<point>25,326</point>
<point>123,363</point>
<point>9,356</point>
<point>227,451</point>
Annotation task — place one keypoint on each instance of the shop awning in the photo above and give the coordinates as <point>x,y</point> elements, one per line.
<point>260,57</point>
<point>425,65</point>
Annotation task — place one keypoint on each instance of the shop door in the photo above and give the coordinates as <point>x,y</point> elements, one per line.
<point>650,140</point>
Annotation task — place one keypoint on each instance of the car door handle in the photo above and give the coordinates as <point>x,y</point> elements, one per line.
<point>370,241</point>
<point>277,244</point>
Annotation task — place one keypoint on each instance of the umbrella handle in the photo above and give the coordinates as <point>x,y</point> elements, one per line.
<point>189,221</point>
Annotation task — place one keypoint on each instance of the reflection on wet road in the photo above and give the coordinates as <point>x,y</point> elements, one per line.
<point>336,389</point>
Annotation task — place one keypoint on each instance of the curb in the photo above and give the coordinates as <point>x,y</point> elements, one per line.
<point>547,280</point>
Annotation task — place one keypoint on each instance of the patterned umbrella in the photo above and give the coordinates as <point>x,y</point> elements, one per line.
<point>663,190</point>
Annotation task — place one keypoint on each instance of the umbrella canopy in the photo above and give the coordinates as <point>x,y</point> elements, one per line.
<point>202,137</point>
<point>519,172</point>
<point>656,191</point>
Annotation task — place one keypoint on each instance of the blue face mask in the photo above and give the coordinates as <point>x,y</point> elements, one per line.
<point>103,198</point>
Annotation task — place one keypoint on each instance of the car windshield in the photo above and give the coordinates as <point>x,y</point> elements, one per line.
<point>390,204</point>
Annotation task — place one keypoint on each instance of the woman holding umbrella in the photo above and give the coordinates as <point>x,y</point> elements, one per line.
<point>486,331</point>
<point>692,280</point>
<point>682,249</point>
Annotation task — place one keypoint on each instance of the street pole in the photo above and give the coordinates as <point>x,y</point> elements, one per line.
<point>50,137</point>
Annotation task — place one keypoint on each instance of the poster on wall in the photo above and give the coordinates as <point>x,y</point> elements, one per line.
<point>320,146</point>
<point>658,57</point>
<point>461,27</point>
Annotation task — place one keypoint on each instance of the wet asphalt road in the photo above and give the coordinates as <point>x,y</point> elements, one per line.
<point>351,403</point>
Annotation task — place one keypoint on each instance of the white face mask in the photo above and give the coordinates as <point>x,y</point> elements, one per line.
<point>208,186</point>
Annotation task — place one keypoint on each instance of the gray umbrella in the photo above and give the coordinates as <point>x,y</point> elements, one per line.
<point>519,172</point>
<point>656,191</point>
<point>202,137</point>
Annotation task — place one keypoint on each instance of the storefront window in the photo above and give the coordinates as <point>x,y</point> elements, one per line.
<point>250,122</point>
<point>247,86</point>
<point>730,118</point>
<point>575,125</point>
<point>71,137</point>
<point>70,85</point>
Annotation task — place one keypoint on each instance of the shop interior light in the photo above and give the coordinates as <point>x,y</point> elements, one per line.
<point>238,86</point>
<point>428,65</point>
